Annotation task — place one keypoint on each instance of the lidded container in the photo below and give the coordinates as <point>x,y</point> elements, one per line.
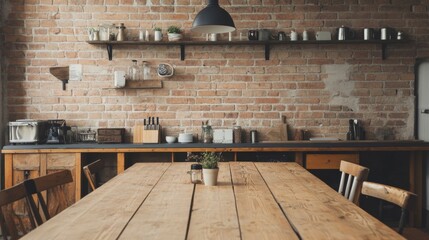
<point>196,173</point>
<point>134,71</point>
<point>237,134</point>
<point>206,134</point>
<point>107,32</point>
<point>145,71</point>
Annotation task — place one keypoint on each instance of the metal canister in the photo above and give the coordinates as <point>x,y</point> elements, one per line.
<point>368,34</point>
<point>253,136</point>
<point>237,134</point>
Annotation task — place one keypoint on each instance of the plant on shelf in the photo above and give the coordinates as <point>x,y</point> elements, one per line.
<point>157,34</point>
<point>174,33</point>
<point>209,161</point>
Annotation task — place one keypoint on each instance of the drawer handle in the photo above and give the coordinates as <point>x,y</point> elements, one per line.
<point>425,111</point>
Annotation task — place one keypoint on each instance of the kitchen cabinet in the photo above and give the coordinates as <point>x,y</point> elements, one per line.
<point>265,44</point>
<point>32,165</point>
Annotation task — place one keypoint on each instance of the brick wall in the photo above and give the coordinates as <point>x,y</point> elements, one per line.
<point>317,87</point>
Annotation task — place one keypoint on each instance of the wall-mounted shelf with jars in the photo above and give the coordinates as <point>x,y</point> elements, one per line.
<point>266,44</point>
<point>142,84</point>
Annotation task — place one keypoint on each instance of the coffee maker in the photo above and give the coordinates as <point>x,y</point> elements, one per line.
<point>57,131</point>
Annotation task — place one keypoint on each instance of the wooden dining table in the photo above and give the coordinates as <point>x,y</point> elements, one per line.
<point>253,200</point>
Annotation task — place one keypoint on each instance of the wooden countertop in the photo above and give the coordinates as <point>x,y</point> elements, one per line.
<point>251,201</point>
<point>290,146</point>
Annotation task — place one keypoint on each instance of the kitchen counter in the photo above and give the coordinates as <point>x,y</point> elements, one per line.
<point>366,145</point>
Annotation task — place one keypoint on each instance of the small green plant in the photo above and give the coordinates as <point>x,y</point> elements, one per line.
<point>174,29</point>
<point>209,160</point>
<point>157,29</point>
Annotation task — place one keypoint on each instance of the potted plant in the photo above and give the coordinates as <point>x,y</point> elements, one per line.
<point>209,161</point>
<point>174,33</point>
<point>157,34</point>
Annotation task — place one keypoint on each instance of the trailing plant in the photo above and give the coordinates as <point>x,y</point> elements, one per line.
<point>157,29</point>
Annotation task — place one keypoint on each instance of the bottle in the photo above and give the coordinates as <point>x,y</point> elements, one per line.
<point>147,36</point>
<point>121,33</point>
<point>145,71</point>
<point>350,134</point>
<point>134,71</point>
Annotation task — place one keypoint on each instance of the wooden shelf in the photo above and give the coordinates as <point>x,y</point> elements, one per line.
<point>267,44</point>
<point>143,84</point>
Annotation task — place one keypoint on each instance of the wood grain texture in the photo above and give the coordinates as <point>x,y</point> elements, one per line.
<point>329,161</point>
<point>391,194</point>
<point>104,213</point>
<point>259,215</point>
<point>214,215</point>
<point>316,210</point>
<point>165,213</point>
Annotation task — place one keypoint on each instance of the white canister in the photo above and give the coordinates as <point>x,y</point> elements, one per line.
<point>141,35</point>
<point>293,36</point>
<point>305,35</point>
<point>213,37</point>
<point>147,35</point>
<point>157,36</point>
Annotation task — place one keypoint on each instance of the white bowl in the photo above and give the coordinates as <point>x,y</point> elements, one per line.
<point>170,139</point>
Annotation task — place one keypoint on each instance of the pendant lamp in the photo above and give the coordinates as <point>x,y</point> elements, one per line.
<point>213,19</point>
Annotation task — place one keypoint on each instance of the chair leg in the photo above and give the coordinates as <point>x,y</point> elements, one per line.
<point>402,220</point>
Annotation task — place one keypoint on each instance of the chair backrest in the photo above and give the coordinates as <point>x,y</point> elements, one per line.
<point>391,194</point>
<point>356,175</point>
<point>91,171</point>
<point>9,226</point>
<point>43,183</point>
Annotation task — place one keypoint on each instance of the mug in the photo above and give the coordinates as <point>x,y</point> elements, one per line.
<point>253,35</point>
<point>293,36</point>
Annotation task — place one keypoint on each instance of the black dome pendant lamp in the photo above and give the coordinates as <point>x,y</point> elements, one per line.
<point>213,19</point>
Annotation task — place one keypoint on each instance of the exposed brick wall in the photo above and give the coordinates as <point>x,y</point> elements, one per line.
<point>318,87</point>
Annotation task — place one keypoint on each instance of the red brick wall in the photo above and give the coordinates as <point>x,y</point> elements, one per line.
<point>318,87</point>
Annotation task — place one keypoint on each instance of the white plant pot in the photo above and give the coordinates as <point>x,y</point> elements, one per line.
<point>210,176</point>
<point>158,36</point>
<point>174,37</point>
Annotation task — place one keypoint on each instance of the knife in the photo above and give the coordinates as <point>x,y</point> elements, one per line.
<point>153,123</point>
<point>144,124</point>
<point>157,123</point>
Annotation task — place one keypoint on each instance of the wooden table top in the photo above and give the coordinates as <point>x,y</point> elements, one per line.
<point>252,201</point>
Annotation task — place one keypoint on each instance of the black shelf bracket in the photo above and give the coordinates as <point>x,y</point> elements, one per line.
<point>110,51</point>
<point>182,52</point>
<point>267,51</point>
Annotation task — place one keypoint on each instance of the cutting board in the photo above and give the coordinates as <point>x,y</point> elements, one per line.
<point>283,130</point>
<point>138,134</point>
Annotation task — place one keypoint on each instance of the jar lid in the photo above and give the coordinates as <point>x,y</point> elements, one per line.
<point>196,167</point>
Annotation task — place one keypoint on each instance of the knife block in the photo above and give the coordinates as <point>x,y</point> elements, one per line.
<point>151,136</point>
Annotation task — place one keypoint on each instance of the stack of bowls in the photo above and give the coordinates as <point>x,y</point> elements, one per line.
<point>185,137</point>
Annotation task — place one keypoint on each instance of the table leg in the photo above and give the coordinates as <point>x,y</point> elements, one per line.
<point>78,176</point>
<point>299,158</point>
<point>416,186</point>
<point>121,163</point>
<point>8,171</point>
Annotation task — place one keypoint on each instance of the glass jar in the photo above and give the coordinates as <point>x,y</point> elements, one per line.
<point>196,173</point>
<point>145,71</point>
<point>237,134</point>
<point>206,134</point>
<point>134,71</point>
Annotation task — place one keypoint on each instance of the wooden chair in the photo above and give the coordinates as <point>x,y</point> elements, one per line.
<point>43,183</point>
<point>356,175</point>
<point>391,194</point>
<point>91,173</point>
<point>10,227</point>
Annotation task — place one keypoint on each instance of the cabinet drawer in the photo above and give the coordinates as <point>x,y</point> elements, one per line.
<point>329,161</point>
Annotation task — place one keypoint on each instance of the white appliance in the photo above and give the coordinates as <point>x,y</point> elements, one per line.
<point>28,131</point>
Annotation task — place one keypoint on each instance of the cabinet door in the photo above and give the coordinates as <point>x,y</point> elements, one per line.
<point>23,166</point>
<point>61,197</point>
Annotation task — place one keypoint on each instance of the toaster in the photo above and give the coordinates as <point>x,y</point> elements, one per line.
<point>28,131</point>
